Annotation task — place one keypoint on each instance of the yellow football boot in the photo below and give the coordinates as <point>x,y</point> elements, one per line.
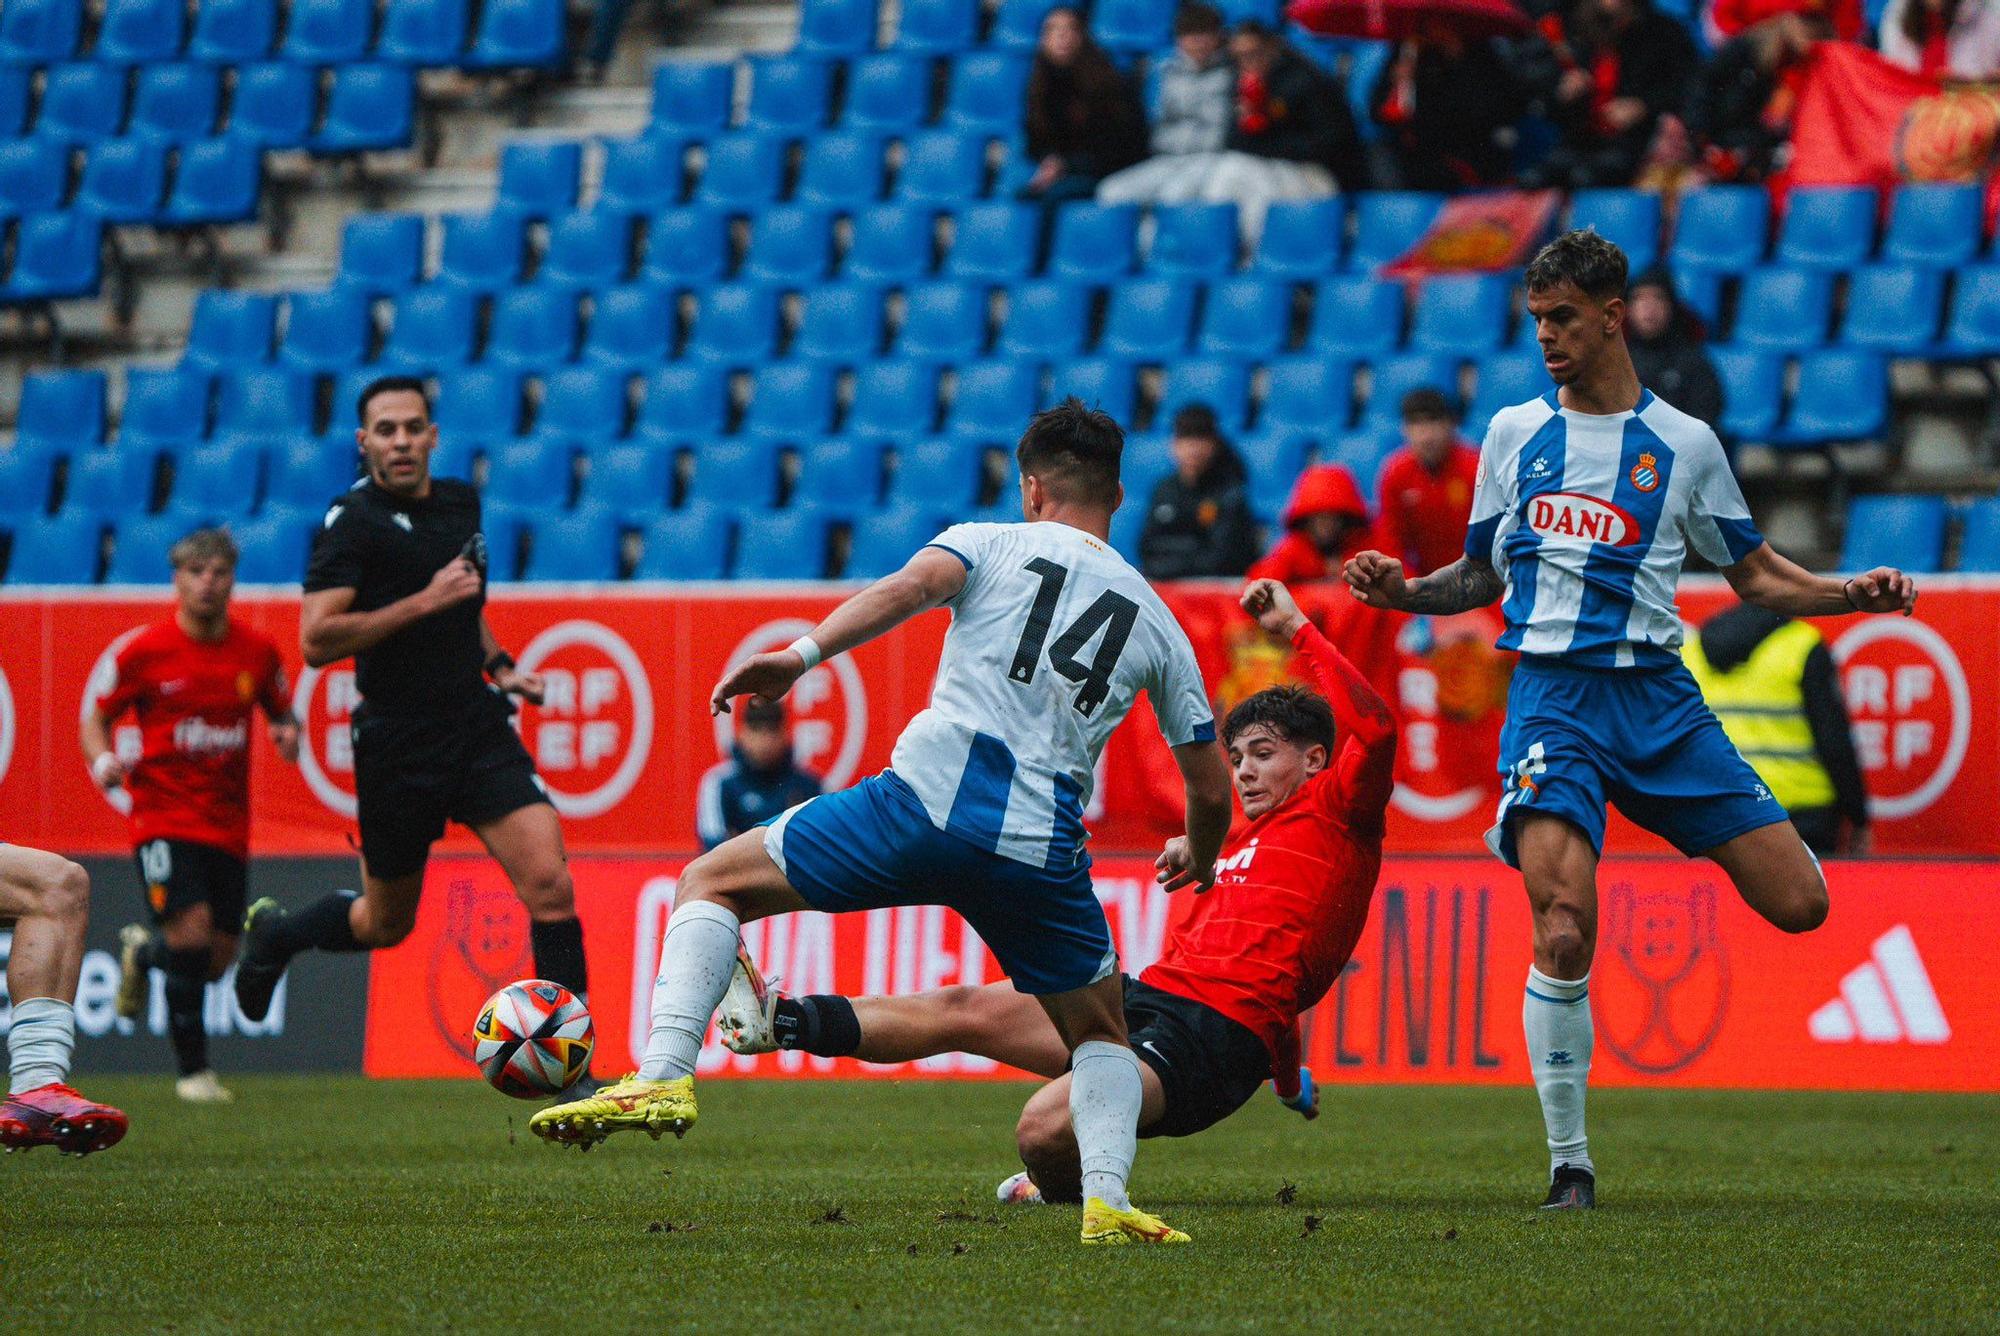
<point>633,1105</point>
<point>1107,1225</point>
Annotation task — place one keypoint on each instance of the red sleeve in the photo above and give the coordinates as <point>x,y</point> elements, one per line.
<point>1285,1069</point>
<point>1285,564</point>
<point>127,681</point>
<point>274,692</point>
<point>1363,773</point>
<point>1726,17</point>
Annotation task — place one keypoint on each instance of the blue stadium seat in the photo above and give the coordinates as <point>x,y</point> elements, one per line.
<point>633,481</point>
<point>1460,315</point>
<point>1246,317</point>
<point>1363,453</point>
<point>642,176</point>
<point>141,32</point>
<point>432,331</point>
<point>687,544</point>
<point>176,102</point>
<point>631,327</point>
<point>60,410</point>
<point>1193,241</point>
<point>123,180</point>
<point>1842,395</point>
<point>938,27</point>
<point>534,474</point>
<point>781,545</point>
<point>310,473</point>
<point>325,332</point>
<point>479,404</point>
<point>887,92</point>
<point>835,27</point>
<point>1979,542</point>
<point>581,544</point>
<point>81,103</point>
<point>790,401</point>
<point>1504,379</point>
<point>1367,61</point>
<point>58,550</point>
<point>220,481</point>
<point>840,324</point>
<point>1393,377</point>
<point>892,244</point>
<point>34,177</point>
<point>1725,228</point>
<point>687,247</point>
<point>1894,309</point>
<point>1017,24</point>
<point>885,539</point>
<point>1149,319</point>
<point>273,547</point>
<point>942,167</point>
<point>1356,316</point>
<point>1387,223</point>
<point>14,98</point>
<point>370,108</point>
<point>843,170</point>
<point>743,172</point>
<point>423,32</point>
<point>993,400</point>
<point>943,321</point>
<point>25,482</point>
<point>1934,225</point>
<point>1131,26</point>
<point>1220,384</point>
<point>684,402</point>
<point>585,406</point>
<point>1104,383</point>
<point>844,475</point>
<point>1273,454</point>
<point>55,255</point>
<point>788,94</point>
<point>791,245</point>
<point>107,482</point>
<point>1046,318</point>
<point>1301,239</point>
<point>1752,392</point>
<point>1314,395</point>
<point>984,96</point>
<point>539,179</point>
<point>1974,328</point>
<point>995,242</point>
<point>1628,218</point>
<point>327,32</point>
<point>1828,227</point>
<point>739,474</point>
<point>588,250</point>
<point>39,32</point>
<point>231,330</point>
<point>692,98</point>
<point>735,325</point>
<point>519,34</point>
<point>1094,243</point>
<point>262,406</point>
<point>481,251</point>
<point>1148,459</point>
<point>1906,532</point>
<point>163,409</point>
<point>233,32</point>
<point>893,400</point>
<point>939,476</point>
<point>274,105</point>
<point>1786,310</point>
<point>216,181</point>
<point>531,327</point>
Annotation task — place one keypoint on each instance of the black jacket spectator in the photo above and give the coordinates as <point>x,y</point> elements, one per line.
<point>1198,521</point>
<point>1447,110</point>
<point>1621,66</point>
<point>1736,119</point>
<point>1295,112</point>
<point>1666,343</point>
<point>1083,117</point>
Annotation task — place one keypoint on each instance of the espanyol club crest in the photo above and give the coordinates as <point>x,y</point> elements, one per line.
<point>1646,473</point>
<point>1674,993</point>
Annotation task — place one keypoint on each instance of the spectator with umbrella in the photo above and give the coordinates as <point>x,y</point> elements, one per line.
<point>1620,66</point>
<point>1448,106</point>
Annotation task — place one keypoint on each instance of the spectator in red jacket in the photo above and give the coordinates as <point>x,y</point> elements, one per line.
<point>1326,522</point>
<point>1427,486</point>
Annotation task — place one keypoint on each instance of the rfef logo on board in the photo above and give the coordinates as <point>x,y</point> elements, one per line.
<point>1911,711</point>
<point>593,731</point>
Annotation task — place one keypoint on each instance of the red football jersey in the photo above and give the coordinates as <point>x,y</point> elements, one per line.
<point>194,703</point>
<point>1293,887</point>
<point>1424,513</point>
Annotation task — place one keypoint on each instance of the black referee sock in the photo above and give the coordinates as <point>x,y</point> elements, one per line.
<point>187,981</point>
<point>558,949</point>
<point>823,1025</point>
<point>321,925</point>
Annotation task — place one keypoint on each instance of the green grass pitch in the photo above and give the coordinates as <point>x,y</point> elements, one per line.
<point>343,1204</point>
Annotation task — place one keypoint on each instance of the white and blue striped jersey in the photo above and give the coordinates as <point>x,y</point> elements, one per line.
<point>1052,638</point>
<point>1588,519</point>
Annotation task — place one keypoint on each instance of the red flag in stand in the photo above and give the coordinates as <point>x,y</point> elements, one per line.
<point>1485,232</point>
<point>1864,122</point>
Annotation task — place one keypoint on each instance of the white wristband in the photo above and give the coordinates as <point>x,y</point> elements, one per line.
<point>100,768</point>
<point>806,648</point>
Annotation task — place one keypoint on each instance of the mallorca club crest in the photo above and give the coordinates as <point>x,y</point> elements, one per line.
<point>1668,943</point>
<point>484,947</point>
<point>1950,135</point>
<point>1646,473</point>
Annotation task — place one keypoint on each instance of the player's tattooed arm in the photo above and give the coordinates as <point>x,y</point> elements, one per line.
<point>1378,581</point>
<point>1770,580</point>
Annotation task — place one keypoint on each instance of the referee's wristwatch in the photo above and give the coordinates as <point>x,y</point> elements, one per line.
<point>499,663</point>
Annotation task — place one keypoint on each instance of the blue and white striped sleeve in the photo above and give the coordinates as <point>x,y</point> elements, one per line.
<point>1489,500</point>
<point>1719,524</point>
<point>1180,697</point>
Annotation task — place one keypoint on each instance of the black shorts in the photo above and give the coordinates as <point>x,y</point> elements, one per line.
<point>1209,1065</point>
<point>180,874</point>
<point>411,775</point>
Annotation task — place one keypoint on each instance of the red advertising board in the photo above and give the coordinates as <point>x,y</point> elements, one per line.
<point>1690,987</point>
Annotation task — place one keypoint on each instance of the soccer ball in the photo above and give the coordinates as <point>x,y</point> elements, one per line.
<point>532,1039</point>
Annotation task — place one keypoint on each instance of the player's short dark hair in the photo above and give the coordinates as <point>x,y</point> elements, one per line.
<point>1198,421</point>
<point>1075,451</point>
<point>1196,17</point>
<point>1427,404</point>
<point>1596,266</point>
<point>1297,715</point>
<point>390,385</point>
<point>203,545</point>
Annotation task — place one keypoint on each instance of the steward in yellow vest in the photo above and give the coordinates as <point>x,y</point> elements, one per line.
<point>1772,683</point>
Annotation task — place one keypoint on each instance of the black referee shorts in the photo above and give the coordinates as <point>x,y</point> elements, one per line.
<point>180,874</point>
<point>1208,1064</point>
<point>411,775</point>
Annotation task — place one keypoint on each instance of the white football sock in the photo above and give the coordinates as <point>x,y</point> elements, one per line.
<point>39,1045</point>
<point>1104,1095</point>
<point>1555,1013</point>
<point>695,962</point>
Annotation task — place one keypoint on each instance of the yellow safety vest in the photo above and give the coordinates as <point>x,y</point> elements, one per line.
<point>1761,703</point>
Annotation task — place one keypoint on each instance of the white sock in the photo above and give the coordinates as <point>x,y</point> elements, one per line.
<point>1104,1095</point>
<point>695,961</point>
<point>1555,1013</point>
<point>39,1045</point>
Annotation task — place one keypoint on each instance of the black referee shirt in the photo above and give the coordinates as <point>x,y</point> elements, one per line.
<point>386,547</point>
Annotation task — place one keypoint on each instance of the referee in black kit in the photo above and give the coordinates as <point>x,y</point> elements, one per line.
<point>397,581</point>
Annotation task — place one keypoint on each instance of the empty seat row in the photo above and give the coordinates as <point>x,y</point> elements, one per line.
<point>794,96</point>
<point>1911,533</point>
<point>53,256</point>
<point>209,181</point>
<point>1829,228</point>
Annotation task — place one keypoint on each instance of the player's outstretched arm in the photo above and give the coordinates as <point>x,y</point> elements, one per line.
<point>330,632</point>
<point>94,733</point>
<point>1189,860</point>
<point>1777,583</point>
<point>1378,581</point>
<point>928,580</point>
